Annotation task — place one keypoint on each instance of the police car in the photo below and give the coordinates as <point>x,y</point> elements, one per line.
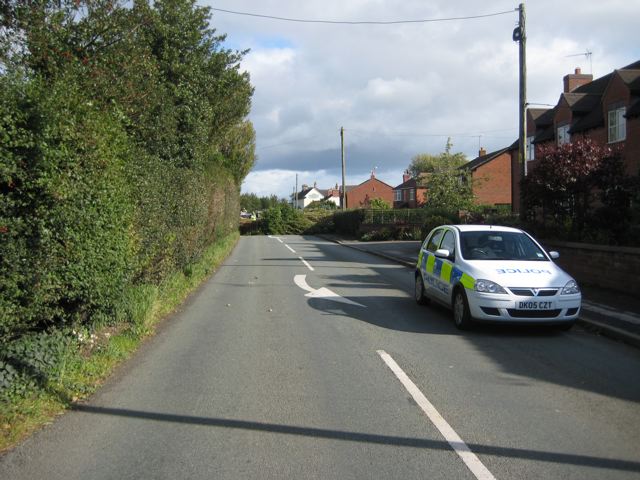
<point>494,274</point>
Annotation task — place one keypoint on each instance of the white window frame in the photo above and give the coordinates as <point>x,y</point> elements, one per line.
<point>412,194</point>
<point>530,149</point>
<point>617,125</point>
<point>562,134</point>
<point>397,195</point>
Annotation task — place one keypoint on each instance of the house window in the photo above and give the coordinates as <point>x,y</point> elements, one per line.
<point>397,195</point>
<point>617,125</point>
<point>563,135</point>
<point>412,194</point>
<point>531,150</point>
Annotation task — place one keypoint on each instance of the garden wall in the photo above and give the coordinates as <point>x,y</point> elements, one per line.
<point>614,268</point>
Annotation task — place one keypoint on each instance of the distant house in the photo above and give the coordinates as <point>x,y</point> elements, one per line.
<point>359,196</point>
<point>409,194</point>
<point>308,195</point>
<point>492,176</point>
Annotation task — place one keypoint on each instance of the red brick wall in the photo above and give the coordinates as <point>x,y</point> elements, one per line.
<point>359,197</point>
<point>492,181</point>
<point>614,268</point>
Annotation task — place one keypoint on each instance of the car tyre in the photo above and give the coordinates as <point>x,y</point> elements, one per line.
<point>420,295</point>
<point>461,313</point>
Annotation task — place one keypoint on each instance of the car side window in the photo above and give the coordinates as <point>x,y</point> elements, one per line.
<point>449,242</point>
<point>434,241</point>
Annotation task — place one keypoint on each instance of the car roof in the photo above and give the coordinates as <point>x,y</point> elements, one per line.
<point>483,228</point>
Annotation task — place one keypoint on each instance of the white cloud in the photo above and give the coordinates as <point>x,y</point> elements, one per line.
<point>396,88</point>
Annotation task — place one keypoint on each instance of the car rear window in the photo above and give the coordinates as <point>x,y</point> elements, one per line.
<point>487,245</point>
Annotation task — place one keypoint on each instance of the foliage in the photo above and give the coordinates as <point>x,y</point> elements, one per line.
<point>283,219</point>
<point>250,202</point>
<point>448,186</point>
<point>324,204</point>
<point>124,140</point>
<point>434,221</point>
<point>348,222</point>
<point>567,182</point>
<point>425,163</point>
<point>379,204</point>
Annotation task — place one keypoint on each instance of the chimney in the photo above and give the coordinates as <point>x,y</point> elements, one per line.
<point>406,177</point>
<point>482,152</point>
<point>305,186</point>
<point>575,80</point>
<point>315,184</point>
<point>373,173</point>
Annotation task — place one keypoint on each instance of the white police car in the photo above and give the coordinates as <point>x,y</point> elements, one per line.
<point>494,274</point>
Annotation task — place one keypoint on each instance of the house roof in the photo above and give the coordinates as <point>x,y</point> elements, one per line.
<point>479,161</point>
<point>411,183</point>
<point>303,193</point>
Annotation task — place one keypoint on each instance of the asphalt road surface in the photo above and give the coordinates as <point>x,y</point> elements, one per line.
<point>301,358</point>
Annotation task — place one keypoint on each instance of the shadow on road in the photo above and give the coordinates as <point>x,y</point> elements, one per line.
<point>541,456</point>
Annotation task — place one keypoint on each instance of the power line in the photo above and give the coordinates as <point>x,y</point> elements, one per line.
<point>362,22</point>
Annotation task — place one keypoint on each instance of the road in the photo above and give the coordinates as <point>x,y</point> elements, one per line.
<point>290,361</point>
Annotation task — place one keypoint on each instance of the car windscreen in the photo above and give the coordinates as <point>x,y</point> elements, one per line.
<point>487,245</point>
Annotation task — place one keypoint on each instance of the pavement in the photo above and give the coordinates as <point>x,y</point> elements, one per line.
<point>606,312</point>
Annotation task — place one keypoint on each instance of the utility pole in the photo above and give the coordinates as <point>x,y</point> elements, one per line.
<point>520,36</point>
<point>343,200</point>
<point>295,195</point>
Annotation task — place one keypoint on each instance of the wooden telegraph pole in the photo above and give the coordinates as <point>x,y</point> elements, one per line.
<point>343,200</point>
<point>520,36</point>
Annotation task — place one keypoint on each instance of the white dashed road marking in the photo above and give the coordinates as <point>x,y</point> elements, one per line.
<point>468,457</point>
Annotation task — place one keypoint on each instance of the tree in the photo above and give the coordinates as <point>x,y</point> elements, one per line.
<point>424,163</point>
<point>448,187</point>
<point>379,204</point>
<point>564,184</point>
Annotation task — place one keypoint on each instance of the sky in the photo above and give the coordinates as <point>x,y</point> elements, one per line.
<point>401,90</point>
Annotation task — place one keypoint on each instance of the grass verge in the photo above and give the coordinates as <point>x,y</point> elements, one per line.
<point>90,357</point>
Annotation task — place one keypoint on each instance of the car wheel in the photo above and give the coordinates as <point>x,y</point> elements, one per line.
<point>421,297</point>
<point>461,314</point>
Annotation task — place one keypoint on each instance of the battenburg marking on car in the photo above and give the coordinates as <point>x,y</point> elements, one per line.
<point>447,272</point>
<point>521,270</point>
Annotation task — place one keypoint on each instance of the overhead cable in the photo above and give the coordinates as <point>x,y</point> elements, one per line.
<point>362,22</point>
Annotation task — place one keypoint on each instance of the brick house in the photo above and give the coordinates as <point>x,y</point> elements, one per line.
<point>492,176</point>
<point>409,194</point>
<point>606,110</point>
<point>359,196</point>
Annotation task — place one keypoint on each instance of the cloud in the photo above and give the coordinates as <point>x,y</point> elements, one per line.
<point>400,90</point>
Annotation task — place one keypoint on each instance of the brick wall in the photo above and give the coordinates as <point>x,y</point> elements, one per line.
<point>361,195</point>
<point>492,181</point>
<point>614,268</point>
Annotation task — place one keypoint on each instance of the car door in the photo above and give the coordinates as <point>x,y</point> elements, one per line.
<point>427,261</point>
<point>444,266</point>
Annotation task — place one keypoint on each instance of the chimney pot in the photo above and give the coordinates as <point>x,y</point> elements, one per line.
<point>482,152</point>
<point>578,70</point>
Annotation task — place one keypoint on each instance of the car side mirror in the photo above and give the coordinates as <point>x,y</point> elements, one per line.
<point>443,253</point>
<point>554,255</point>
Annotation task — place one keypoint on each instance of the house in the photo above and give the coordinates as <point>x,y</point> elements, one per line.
<point>359,196</point>
<point>492,176</point>
<point>308,195</point>
<point>606,110</point>
<point>409,194</point>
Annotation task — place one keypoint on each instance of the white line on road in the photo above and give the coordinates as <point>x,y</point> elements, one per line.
<point>301,281</point>
<point>306,264</point>
<point>277,238</point>
<point>289,248</point>
<point>468,457</point>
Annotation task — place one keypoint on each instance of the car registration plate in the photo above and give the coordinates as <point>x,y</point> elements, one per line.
<point>534,305</point>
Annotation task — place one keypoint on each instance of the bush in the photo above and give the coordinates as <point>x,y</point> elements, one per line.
<point>348,222</point>
<point>432,222</point>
